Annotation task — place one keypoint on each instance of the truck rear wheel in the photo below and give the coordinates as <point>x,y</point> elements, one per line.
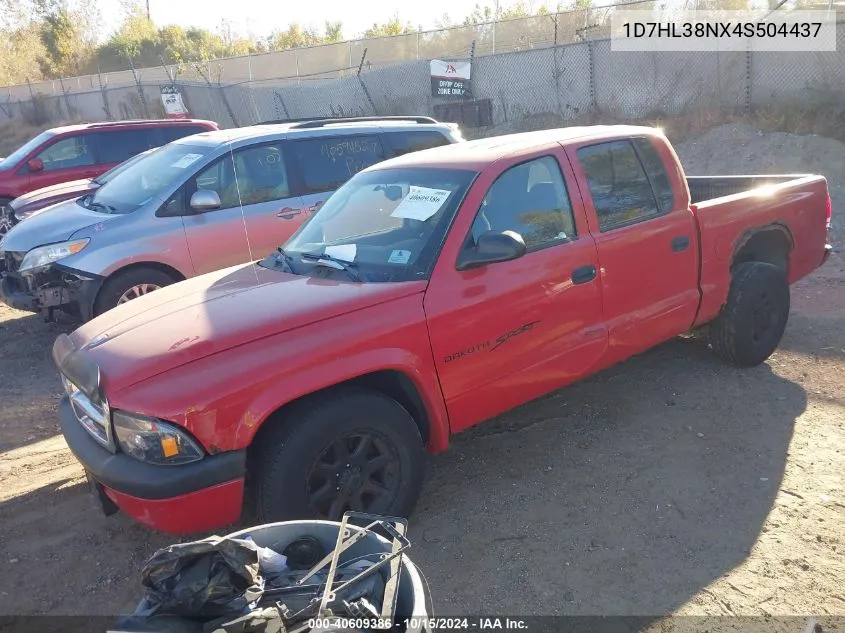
<point>353,449</point>
<point>751,324</point>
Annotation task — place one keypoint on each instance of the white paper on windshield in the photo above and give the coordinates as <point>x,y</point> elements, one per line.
<point>421,203</point>
<point>346,252</point>
<point>399,257</point>
<point>186,160</point>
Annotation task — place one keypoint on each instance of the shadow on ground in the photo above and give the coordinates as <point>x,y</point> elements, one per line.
<point>29,382</point>
<point>622,495</point>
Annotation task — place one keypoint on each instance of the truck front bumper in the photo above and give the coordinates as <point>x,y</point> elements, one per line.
<point>52,286</point>
<point>185,499</point>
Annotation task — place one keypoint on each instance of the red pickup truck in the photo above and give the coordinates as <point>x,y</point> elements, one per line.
<point>431,292</point>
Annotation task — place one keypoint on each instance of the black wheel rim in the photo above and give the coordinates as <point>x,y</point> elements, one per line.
<point>358,471</point>
<point>764,317</point>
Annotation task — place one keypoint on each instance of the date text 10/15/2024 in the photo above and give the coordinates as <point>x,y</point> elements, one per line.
<point>417,623</point>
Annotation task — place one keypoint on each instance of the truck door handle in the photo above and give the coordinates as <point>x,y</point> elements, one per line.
<point>680,243</point>
<point>288,214</point>
<point>583,274</point>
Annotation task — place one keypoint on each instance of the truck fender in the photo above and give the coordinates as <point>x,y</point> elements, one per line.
<point>348,369</point>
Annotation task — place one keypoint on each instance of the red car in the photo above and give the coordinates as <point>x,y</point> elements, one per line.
<point>28,204</point>
<point>84,151</point>
<point>431,292</point>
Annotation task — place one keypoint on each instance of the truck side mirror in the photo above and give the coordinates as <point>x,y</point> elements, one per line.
<point>205,200</point>
<point>35,164</point>
<point>492,247</point>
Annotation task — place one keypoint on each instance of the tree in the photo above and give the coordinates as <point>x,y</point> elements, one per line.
<point>393,26</point>
<point>334,32</point>
<point>67,42</point>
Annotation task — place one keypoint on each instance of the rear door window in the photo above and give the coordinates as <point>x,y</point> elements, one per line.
<point>406,142</point>
<point>118,146</point>
<point>656,170</point>
<point>620,190</point>
<point>324,164</point>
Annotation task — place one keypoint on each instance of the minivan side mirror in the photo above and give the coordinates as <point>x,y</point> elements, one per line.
<point>35,164</point>
<point>205,200</point>
<point>491,248</point>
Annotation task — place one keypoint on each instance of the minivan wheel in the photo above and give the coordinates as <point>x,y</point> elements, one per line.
<point>350,449</point>
<point>128,285</point>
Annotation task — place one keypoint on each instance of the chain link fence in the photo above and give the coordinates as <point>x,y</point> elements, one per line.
<point>559,64</point>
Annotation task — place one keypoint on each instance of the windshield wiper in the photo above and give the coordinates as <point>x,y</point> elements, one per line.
<point>103,207</point>
<point>333,262</point>
<point>283,258</point>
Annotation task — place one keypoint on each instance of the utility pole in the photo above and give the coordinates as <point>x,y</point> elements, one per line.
<point>148,9</point>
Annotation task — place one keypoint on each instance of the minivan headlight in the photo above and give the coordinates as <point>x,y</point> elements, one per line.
<point>43,255</point>
<point>152,441</point>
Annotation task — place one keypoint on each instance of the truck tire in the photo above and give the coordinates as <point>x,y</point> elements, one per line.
<point>128,285</point>
<point>350,449</point>
<point>751,324</point>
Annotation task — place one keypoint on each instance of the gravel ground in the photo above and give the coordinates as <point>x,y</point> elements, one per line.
<point>669,484</point>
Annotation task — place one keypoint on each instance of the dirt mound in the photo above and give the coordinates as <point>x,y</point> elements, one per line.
<point>741,149</point>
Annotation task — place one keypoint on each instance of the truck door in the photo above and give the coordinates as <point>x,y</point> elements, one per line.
<point>645,234</point>
<point>506,333</point>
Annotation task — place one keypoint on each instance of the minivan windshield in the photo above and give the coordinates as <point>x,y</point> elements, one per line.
<point>146,179</point>
<point>387,224</point>
<point>19,154</point>
<point>114,171</point>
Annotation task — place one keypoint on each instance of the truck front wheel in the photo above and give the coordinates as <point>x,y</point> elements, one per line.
<point>751,324</point>
<point>351,449</point>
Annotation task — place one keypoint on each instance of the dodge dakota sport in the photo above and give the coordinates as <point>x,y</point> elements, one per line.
<point>431,292</point>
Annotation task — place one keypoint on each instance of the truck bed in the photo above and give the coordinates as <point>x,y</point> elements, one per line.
<point>704,188</point>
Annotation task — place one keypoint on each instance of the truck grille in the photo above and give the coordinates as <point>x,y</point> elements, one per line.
<point>92,416</point>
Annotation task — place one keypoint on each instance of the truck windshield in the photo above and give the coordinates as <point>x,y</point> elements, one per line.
<point>11,161</point>
<point>389,224</point>
<point>146,179</point>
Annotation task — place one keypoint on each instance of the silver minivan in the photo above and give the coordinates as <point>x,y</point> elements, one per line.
<point>198,204</point>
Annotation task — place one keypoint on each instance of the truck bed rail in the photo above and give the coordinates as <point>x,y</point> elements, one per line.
<point>704,188</point>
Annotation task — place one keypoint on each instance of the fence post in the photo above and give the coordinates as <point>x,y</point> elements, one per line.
<point>363,85</point>
<point>748,80</point>
<point>67,98</point>
<point>220,90</point>
<point>593,104</point>
<point>556,68</point>
<point>106,107</point>
<point>141,94</point>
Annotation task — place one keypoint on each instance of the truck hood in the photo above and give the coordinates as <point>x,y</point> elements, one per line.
<point>75,188</point>
<point>54,224</point>
<point>215,312</point>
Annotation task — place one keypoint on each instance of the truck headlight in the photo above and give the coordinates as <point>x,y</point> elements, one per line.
<point>43,255</point>
<point>153,441</point>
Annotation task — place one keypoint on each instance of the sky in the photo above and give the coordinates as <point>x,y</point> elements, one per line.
<point>261,17</point>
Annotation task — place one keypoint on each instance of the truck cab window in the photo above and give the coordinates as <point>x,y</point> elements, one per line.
<point>656,170</point>
<point>530,199</point>
<point>618,184</point>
